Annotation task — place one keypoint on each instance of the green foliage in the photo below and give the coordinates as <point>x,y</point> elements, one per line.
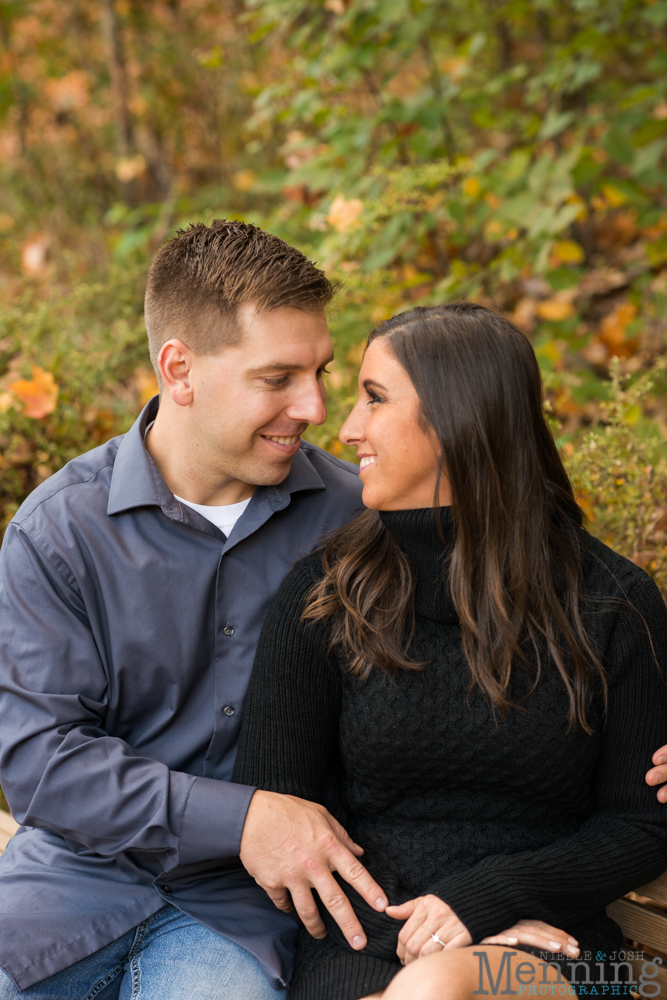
<point>509,151</point>
<point>93,342</point>
<point>619,471</point>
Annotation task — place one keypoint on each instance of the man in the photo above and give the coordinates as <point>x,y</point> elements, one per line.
<point>133,584</point>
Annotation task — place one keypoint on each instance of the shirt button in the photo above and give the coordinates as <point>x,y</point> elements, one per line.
<point>166,889</point>
<point>229,710</point>
<point>228,631</point>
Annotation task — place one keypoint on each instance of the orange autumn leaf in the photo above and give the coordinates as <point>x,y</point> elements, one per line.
<point>456,67</point>
<point>613,330</point>
<point>586,506</point>
<point>555,309</point>
<point>38,394</point>
<point>146,385</point>
<point>565,406</point>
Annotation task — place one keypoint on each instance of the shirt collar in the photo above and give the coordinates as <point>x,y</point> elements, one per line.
<point>136,482</point>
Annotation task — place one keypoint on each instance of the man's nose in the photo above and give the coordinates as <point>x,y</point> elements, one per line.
<point>309,407</point>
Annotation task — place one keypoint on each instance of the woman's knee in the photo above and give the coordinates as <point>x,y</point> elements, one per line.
<point>447,975</point>
<point>459,974</point>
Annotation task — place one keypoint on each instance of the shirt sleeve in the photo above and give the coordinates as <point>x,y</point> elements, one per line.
<point>623,844</point>
<point>59,768</point>
<point>290,727</point>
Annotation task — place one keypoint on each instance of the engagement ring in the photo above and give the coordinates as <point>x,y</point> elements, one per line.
<point>434,937</point>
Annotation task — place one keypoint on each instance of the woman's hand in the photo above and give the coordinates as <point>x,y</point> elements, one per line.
<point>657,775</point>
<point>427,915</point>
<point>536,934</point>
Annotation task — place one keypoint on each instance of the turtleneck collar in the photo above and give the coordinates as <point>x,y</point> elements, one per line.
<point>417,533</point>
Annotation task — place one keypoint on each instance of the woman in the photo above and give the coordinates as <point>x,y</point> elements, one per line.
<point>484,673</point>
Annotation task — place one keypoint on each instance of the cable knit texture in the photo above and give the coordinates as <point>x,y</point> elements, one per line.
<point>501,818</point>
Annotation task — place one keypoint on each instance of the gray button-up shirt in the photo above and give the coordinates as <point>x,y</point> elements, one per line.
<point>128,626</point>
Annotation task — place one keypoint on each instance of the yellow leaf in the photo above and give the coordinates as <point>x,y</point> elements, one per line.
<point>569,252</point>
<point>555,310</point>
<point>550,351</point>
<point>344,214</point>
<point>574,199</point>
<point>244,180</point>
<point>632,414</point>
<point>614,196</point>
<point>471,187</point>
<point>38,395</point>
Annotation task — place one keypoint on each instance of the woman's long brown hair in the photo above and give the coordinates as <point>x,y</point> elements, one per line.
<point>515,569</point>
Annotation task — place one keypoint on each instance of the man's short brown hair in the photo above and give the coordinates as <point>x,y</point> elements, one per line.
<point>199,279</point>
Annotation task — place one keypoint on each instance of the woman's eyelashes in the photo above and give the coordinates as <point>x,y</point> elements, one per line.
<point>374,398</point>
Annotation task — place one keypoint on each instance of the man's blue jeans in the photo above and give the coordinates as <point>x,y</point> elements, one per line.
<point>168,957</point>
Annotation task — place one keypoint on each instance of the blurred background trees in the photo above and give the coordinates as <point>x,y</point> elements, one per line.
<point>509,151</point>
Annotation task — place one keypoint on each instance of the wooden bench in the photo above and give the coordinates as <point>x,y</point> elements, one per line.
<point>641,915</point>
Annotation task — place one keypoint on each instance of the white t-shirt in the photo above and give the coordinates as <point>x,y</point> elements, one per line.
<point>224,517</point>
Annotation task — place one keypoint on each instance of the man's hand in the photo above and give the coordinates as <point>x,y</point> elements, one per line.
<point>536,934</point>
<point>658,775</point>
<point>427,915</point>
<point>291,846</point>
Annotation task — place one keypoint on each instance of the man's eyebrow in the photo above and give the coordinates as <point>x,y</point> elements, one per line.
<point>371,381</point>
<point>282,366</point>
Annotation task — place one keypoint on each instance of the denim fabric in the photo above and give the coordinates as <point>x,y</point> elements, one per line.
<point>170,956</point>
<point>128,627</point>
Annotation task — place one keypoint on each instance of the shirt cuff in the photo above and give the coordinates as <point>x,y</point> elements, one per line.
<point>213,820</point>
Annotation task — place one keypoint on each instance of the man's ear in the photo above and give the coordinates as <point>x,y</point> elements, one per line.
<point>175,362</point>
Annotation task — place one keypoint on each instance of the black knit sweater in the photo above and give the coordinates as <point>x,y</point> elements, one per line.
<point>501,818</point>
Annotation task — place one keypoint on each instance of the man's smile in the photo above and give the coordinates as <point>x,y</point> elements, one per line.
<point>287,444</point>
<point>283,440</point>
